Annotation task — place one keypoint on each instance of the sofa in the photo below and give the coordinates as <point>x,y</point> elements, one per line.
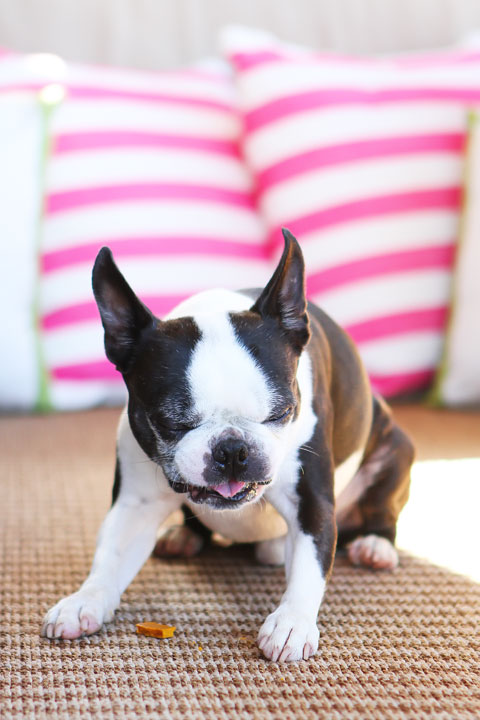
<point>185,147</point>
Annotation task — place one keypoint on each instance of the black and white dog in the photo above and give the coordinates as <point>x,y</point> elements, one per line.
<point>254,410</point>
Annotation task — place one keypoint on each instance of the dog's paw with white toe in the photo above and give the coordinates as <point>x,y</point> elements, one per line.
<point>178,541</point>
<point>288,635</point>
<point>374,552</point>
<point>82,613</point>
<point>271,552</point>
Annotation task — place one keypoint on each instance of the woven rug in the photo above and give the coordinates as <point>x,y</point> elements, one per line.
<point>404,644</point>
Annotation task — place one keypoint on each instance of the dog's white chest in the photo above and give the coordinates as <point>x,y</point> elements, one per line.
<point>252,523</point>
<point>260,521</point>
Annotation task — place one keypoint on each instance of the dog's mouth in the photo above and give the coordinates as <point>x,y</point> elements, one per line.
<point>227,494</point>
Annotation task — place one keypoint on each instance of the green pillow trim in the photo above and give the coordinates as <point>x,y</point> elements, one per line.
<point>435,397</point>
<point>49,98</point>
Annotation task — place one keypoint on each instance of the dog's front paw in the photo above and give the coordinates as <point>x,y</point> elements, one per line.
<point>286,634</point>
<point>82,613</point>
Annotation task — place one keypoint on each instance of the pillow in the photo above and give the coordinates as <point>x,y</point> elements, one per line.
<point>458,377</point>
<point>21,138</point>
<point>361,158</point>
<point>148,164</point>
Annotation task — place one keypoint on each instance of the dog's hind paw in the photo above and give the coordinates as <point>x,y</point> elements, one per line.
<point>82,613</point>
<point>287,635</point>
<point>374,552</point>
<point>271,552</point>
<point>178,541</point>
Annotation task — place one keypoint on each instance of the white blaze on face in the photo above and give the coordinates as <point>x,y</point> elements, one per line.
<point>225,381</point>
<point>228,388</point>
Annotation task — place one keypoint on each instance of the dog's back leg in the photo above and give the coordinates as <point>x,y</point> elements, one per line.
<point>185,539</point>
<point>367,525</point>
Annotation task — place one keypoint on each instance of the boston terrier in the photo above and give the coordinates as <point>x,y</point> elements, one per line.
<point>253,410</point>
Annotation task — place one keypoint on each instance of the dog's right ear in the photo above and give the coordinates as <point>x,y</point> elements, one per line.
<point>124,316</point>
<point>284,295</point>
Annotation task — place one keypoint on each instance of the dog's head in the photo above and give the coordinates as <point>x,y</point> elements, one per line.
<point>213,396</point>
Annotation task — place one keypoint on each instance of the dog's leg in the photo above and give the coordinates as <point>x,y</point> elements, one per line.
<point>271,552</point>
<point>184,539</point>
<point>368,527</point>
<point>290,632</point>
<point>126,539</point>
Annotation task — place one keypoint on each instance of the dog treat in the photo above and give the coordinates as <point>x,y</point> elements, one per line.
<point>153,629</point>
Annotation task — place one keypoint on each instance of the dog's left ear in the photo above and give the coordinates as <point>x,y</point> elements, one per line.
<point>124,316</point>
<point>284,296</point>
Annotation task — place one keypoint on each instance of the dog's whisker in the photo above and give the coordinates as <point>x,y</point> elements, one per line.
<point>308,449</point>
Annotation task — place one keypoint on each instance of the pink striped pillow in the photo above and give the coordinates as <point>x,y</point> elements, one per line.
<point>361,158</point>
<point>148,164</point>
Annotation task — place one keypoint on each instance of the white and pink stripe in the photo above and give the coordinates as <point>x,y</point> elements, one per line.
<point>362,159</point>
<point>148,164</point>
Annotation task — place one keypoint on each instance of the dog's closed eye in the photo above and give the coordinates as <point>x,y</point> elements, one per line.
<point>171,427</point>
<point>279,417</point>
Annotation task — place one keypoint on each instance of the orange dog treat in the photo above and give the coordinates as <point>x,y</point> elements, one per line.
<point>153,629</point>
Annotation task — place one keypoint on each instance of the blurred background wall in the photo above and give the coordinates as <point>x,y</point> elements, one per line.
<point>164,33</point>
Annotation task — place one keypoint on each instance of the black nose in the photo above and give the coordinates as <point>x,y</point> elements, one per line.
<point>231,456</point>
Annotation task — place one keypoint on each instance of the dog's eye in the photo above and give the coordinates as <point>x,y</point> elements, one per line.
<point>280,418</point>
<point>177,429</point>
<point>174,428</point>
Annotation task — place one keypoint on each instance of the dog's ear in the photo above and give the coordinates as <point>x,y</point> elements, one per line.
<point>284,296</point>
<point>124,316</point>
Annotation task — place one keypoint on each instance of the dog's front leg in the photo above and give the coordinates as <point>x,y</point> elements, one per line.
<point>126,539</point>
<point>290,632</point>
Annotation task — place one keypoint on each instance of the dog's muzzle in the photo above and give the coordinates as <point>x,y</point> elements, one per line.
<point>234,473</point>
<point>232,493</point>
<point>230,456</point>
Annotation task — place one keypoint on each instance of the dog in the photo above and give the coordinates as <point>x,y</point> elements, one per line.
<point>253,410</point>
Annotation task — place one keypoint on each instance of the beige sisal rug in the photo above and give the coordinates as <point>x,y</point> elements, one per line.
<point>394,645</point>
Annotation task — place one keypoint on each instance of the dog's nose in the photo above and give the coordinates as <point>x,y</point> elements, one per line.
<point>231,456</point>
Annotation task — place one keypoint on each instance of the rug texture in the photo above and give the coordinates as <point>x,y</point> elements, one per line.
<point>404,644</point>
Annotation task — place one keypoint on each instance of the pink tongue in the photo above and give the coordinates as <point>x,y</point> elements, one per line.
<point>229,489</point>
